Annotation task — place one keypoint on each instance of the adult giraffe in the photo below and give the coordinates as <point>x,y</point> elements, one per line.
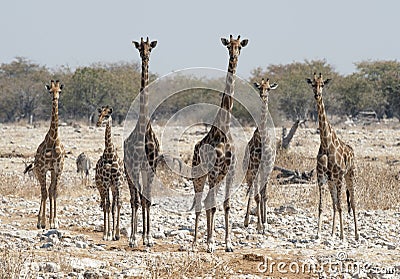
<point>217,147</point>
<point>50,157</point>
<point>335,162</point>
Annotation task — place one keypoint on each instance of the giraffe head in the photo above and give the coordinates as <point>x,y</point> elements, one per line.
<point>54,88</point>
<point>264,87</point>
<point>145,48</point>
<point>317,83</point>
<point>104,115</point>
<point>234,45</point>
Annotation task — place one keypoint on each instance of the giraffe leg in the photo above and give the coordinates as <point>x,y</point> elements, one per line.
<point>257,198</point>
<point>339,205</point>
<point>41,224</point>
<point>322,163</point>
<point>334,195</point>
<point>263,208</point>
<point>250,179</point>
<point>350,177</point>
<point>116,207</point>
<point>55,177</point>
<point>135,202</point>
<point>210,230</point>
<point>198,183</point>
<point>148,234</point>
<point>210,204</point>
<point>227,205</point>
<point>150,178</point>
<point>107,221</point>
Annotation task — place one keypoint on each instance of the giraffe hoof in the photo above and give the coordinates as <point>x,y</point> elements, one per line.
<point>210,248</point>
<point>133,244</point>
<point>116,238</point>
<point>228,249</point>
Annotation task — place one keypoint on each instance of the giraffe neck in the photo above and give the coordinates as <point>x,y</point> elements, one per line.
<point>325,130</point>
<point>263,123</point>
<point>223,118</point>
<point>109,147</point>
<point>53,131</point>
<point>144,98</point>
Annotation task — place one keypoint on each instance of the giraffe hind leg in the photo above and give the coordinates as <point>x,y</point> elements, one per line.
<point>350,189</point>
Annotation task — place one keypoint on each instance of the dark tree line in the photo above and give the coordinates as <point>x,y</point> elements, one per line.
<point>375,85</point>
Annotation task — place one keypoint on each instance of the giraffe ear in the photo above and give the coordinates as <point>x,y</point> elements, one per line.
<point>327,81</point>
<point>153,44</point>
<point>244,42</point>
<point>256,85</point>
<point>47,87</point>
<point>137,45</point>
<point>224,41</point>
<point>61,86</point>
<point>110,110</point>
<point>309,81</point>
<point>99,110</point>
<point>274,85</point>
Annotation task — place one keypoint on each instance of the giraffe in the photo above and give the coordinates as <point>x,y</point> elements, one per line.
<point>335,162</point>
<point>109,175</point>
<point>261,157</point>
<point>83,165</point>
<point>50,157</point>
<point>141,151</point>
<point>217,145</point>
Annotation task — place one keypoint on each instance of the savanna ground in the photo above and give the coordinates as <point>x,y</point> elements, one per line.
<point>292,211</point>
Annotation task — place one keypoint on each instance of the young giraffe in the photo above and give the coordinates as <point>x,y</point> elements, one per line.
<point>261,158</point>
<point>335,162</point>
<point>217,145</point>
<point>109,175</point>
<point>50,157</point>
<point>141,150</point>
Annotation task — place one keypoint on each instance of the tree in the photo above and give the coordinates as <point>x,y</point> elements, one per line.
<point>22,86</point>
<point>294,99</point>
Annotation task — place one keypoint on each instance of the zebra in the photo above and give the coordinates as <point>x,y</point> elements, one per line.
<point>83,165</point>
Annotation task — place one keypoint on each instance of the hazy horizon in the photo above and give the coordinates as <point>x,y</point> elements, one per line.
<point>80,33</point>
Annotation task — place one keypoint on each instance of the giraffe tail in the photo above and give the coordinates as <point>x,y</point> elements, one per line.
<point>28,168</point>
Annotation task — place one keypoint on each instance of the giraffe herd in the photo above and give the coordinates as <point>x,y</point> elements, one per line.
<point>335,160</point>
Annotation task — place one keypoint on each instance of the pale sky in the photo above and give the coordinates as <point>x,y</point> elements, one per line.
<point>80,32</point>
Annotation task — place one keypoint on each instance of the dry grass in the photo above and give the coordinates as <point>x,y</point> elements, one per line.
<point>376,184</point>
<point>190,266</point>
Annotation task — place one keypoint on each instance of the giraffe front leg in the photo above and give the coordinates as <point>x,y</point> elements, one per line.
<point>249,179</point>
<point>257,198</point>
<point>231,160</point>
<point>198,183</point>
<point>135,202</point>
<point>148,234</point>
<point>339,206</point>
<point>150,178</point>
<point>41,224</point>
<point>334,195</point>
<point>115,210</point>
<point>210,204</point>
<point>107,222</point>
<point>322,163</point>
<point>53,202</point>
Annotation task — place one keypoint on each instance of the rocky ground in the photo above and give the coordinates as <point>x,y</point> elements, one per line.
<point>288,249</point>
